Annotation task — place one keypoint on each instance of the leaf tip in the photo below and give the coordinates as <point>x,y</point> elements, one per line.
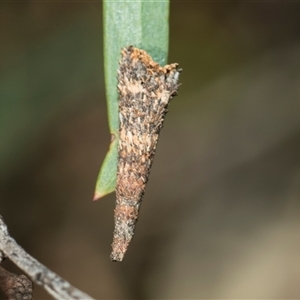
<point>97,196</point>
<point>100,193</point>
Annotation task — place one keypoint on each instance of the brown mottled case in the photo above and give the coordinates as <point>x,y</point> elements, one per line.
<point>145,90</point>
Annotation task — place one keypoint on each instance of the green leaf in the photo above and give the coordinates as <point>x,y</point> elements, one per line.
<point>145,25</point>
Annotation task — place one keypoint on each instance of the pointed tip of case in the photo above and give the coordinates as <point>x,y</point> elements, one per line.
<point>117,256</point>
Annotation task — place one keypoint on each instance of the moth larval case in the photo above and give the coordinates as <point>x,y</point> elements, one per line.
<point>145,90</point>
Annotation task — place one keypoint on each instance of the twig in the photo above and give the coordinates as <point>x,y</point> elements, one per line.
<point>15,287</point>
<point>41,275</point>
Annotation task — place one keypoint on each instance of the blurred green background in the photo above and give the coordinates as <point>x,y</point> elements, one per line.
<point>220,217</point>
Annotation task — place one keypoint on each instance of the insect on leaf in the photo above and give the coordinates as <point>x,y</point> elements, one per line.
<point>145,90</point>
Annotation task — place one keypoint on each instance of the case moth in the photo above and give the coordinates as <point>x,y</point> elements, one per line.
<point>145,90</point>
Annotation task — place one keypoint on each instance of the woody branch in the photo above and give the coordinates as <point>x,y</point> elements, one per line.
<point>56,286</point>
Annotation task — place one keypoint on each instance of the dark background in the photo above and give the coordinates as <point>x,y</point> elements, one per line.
<point>220,217</point>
